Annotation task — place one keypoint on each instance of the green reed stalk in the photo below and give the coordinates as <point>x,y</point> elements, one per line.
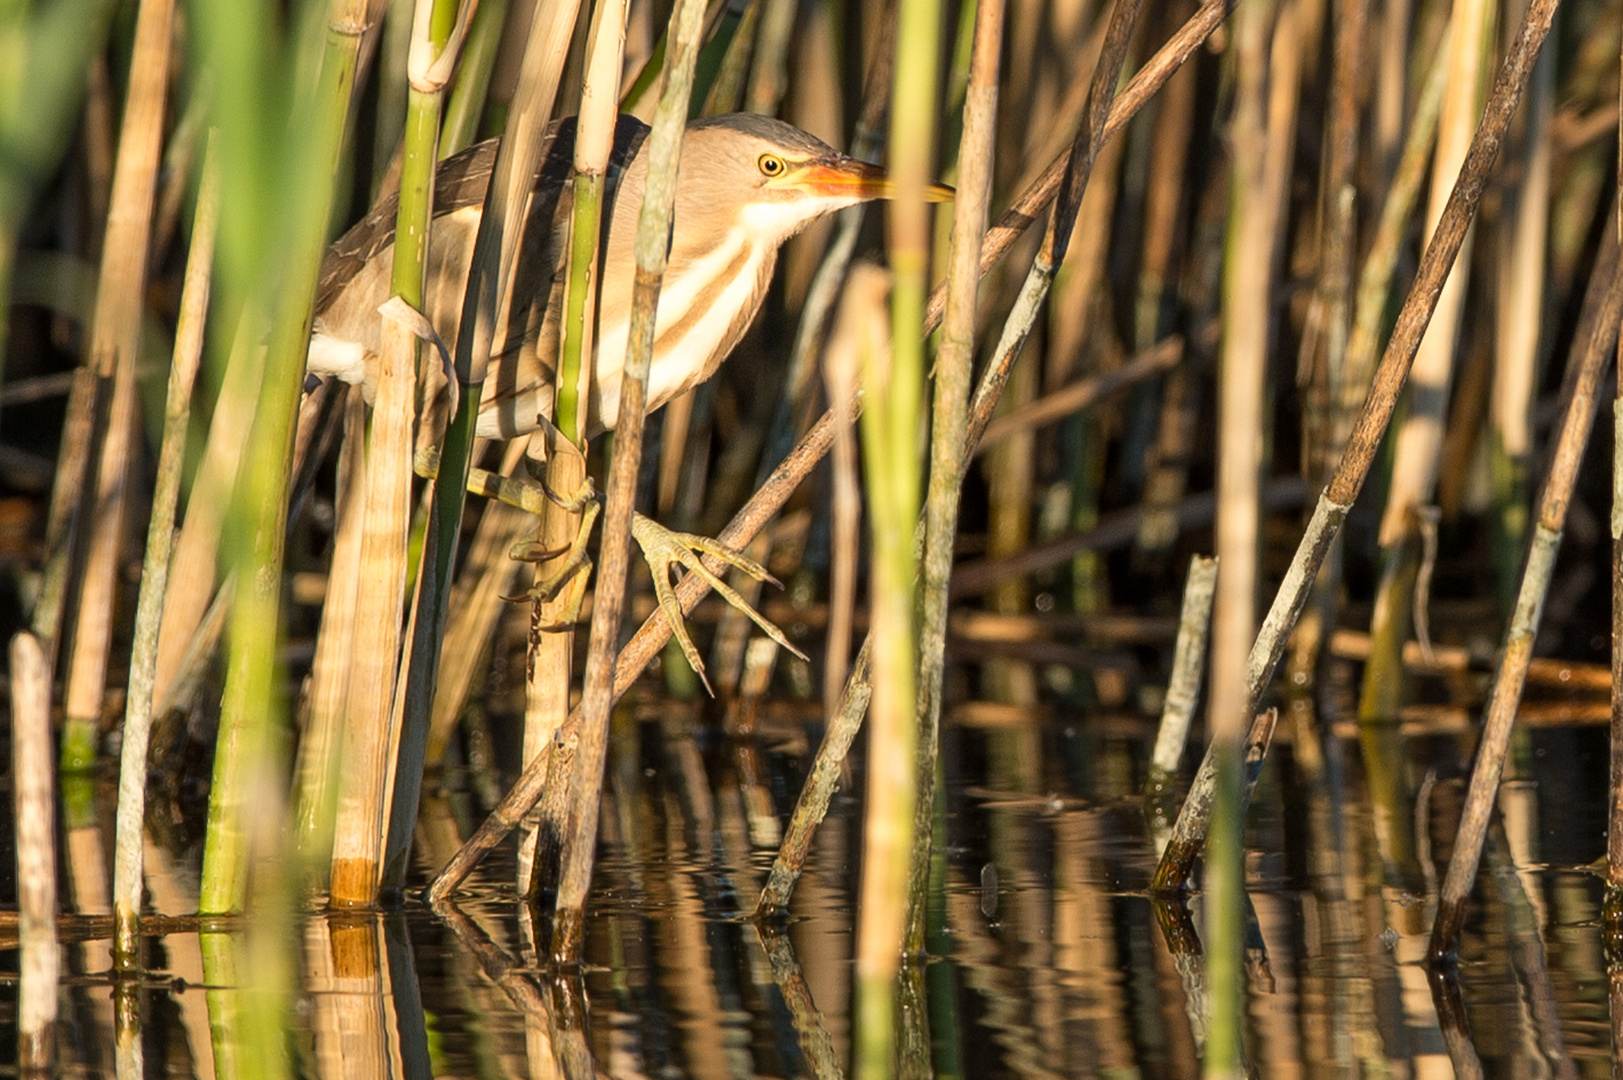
<point>127,873</point>
<point>473,73</point>
<point>948,428</point>
<point>254,188</point>
<point>1246,280</point>
<point>891,430</point>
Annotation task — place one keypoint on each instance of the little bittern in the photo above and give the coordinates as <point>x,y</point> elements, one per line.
<point>745,185</point>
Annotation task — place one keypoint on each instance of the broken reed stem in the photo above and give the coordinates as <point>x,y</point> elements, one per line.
<point>798,464</point>
<point>115,336</point>
<point>608,606</point>
<point>949,417</point>
<point>1183,694</point>
<point>249,741</point>
<point>1370,429</point>
<point>35,820</point>
<point>1591,359</point>
<point>132,777</point>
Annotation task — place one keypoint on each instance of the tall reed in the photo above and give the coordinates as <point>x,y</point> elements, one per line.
<point>597,697</point>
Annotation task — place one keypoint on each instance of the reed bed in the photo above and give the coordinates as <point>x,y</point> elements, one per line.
<point>1208,291</point>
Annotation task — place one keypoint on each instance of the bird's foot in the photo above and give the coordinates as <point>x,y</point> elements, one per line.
<point>665,549</point>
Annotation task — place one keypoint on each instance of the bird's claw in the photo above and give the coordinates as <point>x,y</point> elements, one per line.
<point>664,549</point>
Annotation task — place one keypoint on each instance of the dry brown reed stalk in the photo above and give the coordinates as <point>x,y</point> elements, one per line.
<point>478,602</point>
<point>32,769</point>
<point>132,780</point>
<point>380,744</point>
<point>1079,395</point>
<point>787,476</point>
<point>954,357</point>
<point>769,78</point>
<point>608,605</point>
<point>1590,359</point>
<point>500,226</point>
<point>1614,834</point>
<point>194,572</point>
<point>1419,441</point>
<point>841,371</point>
<point>115,334</point>
<point>1523,241</point>
<point>1369,431</point>
<point>367,740</point>
<point>1338,199</point>
<point>316,767</point>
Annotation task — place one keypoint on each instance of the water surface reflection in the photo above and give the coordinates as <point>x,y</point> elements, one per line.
<point>1047,956</point>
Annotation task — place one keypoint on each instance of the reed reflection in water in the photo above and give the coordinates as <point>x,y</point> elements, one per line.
<point>1048,957</point>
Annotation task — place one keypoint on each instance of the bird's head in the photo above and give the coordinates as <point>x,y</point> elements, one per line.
<point>774,178</point>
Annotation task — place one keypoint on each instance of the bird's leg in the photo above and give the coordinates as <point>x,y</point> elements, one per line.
<point>535,497</point>
<point>665,549</point>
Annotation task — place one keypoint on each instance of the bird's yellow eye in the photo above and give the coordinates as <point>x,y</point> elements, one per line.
<point>771,165</point>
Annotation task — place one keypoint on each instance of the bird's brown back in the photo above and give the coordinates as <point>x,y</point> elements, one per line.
<point>355,276</point>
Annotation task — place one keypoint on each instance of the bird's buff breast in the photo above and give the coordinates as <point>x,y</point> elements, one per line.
<point>704,309</point>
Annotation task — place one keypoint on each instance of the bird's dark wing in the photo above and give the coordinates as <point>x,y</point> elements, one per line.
<point>460,181</point>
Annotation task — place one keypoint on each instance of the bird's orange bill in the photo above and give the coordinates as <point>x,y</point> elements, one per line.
<point>847,176</point>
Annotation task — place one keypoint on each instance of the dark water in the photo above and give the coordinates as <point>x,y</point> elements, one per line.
<point>1048,957</point>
